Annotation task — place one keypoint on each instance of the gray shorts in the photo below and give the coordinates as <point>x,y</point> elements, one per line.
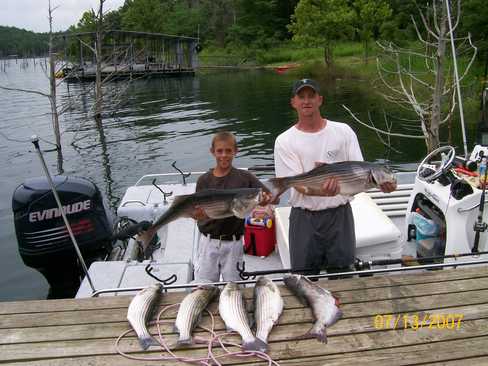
<point>322,239</point>
<point>216,257</point>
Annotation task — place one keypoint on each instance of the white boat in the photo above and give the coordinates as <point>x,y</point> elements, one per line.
<point>388,227</point>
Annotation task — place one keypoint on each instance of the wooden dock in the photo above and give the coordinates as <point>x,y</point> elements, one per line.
<point>84,331</point>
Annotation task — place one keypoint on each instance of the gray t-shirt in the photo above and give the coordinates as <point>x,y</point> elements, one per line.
<point>236,178</point>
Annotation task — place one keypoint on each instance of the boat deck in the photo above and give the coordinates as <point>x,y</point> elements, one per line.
<point>84,331</point>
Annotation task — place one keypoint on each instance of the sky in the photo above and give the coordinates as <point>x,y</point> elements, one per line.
<point>32,14</point>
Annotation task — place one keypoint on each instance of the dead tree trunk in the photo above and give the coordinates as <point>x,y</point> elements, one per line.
<point>98,57</point>
<point>52,82</point>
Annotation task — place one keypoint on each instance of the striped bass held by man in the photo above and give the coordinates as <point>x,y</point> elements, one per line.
<point>353,177</point>
<point>233,313</point>
<point>191,309</point>
<point>140,311</point>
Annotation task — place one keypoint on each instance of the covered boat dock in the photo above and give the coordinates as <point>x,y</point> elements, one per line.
<point>128,54</point>
<point>431,317</point>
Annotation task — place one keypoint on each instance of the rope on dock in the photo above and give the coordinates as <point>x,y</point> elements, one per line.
<point>214,340</point>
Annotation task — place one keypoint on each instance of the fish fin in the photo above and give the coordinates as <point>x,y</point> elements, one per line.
<point>319,333</point>
<point>146,342</point>
<point>336,317</point>
<point>277,188</point>
<point>320,163</point>
<point>201,340</point>
<point>337,301</point>
<point>184,342</point>
<point>255,345</point>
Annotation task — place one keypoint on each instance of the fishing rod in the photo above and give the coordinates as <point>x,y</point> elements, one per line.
<point>359,265</point>
<point>281,279</point>
<point>479,225</point>
<point>35,142</point>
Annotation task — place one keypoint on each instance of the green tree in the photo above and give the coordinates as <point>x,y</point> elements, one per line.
<point>370,15</point>
<point>87,22</point>
<point>475,14</point>
<point>143,15</point>
<point>319,23</point>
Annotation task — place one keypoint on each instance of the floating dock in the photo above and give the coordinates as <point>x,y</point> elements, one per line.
<point>379,325</point>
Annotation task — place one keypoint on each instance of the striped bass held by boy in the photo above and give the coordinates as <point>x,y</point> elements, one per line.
<point>216,203</point>
<point>353,177</point>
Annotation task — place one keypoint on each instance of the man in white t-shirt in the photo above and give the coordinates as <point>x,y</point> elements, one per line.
<point>321,221</point>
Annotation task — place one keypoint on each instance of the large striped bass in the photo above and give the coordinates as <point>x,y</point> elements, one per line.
<point>268,306</point>
<point>324,306</point>
<point>191,309</point>
<point>353,177</point>
<point>217,204</point>
<point>139,312</point>
<point>233,313</point>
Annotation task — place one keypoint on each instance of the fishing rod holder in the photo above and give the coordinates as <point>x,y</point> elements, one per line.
<point>165,194</point>
<point>168,281</point>
<point>245,276</point>
<point>183,175</point>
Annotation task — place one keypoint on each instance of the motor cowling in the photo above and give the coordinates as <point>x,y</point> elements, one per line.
<point>43,239</point>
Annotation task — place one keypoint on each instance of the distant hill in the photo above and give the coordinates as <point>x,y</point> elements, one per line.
<point>23,43</point>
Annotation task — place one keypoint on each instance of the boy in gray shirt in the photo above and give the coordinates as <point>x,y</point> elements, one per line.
<point>220,246</point>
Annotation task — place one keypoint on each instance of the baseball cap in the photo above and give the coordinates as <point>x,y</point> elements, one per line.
<point>302,83</point>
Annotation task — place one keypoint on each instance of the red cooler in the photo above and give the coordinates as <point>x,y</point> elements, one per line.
<point>259,240</point>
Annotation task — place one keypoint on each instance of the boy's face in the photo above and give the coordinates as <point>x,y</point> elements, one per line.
<point>224,152</point>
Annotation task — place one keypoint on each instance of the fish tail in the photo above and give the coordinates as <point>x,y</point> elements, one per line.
<point>255,345</point>
<point>319,331</point>
<point>147,341</point>
<point>278,186</point>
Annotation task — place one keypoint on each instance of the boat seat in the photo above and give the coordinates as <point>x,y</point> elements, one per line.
<point>377,237</point>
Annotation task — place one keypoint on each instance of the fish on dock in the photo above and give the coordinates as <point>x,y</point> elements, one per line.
<point>353,177</point>
<point>268,306</point>
<point>191,309</point>
<point>233,313</point>
<point>139,313</point>
<point>217,204</point>
<point>324,305</point>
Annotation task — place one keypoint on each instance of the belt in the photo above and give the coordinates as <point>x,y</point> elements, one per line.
<point>223,237</point>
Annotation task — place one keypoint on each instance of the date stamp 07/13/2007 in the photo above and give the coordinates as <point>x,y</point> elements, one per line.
<point>418,321</point>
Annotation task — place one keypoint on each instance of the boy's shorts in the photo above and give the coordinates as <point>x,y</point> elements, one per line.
<point>216,257</point>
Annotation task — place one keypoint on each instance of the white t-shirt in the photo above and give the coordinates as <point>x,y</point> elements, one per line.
<point>297,152</point>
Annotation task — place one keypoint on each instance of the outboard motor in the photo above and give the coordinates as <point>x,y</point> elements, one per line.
<point>44,241</point>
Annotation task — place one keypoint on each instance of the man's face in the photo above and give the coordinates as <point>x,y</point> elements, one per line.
<point>224,152</point>
<point>306,102</point>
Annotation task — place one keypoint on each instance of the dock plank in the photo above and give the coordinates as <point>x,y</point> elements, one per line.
<point>428,277</point>
<point>354,309</point>
<point>84,331</point>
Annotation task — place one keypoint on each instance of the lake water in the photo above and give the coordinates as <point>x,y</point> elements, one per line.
<point>151,124</point>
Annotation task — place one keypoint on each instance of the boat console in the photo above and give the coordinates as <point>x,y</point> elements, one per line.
<point>445,205</point>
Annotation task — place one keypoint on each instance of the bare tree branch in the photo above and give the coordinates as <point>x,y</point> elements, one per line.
<point>379,130</point>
